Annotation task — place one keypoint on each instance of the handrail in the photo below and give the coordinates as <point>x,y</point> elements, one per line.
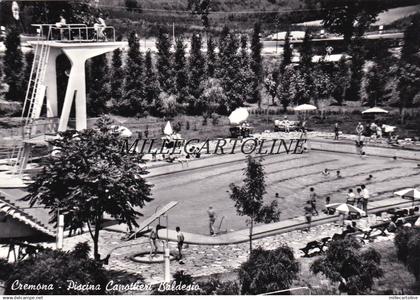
<point>84,32</point>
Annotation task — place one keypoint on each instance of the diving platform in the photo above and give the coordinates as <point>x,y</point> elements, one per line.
<point>78,43</point>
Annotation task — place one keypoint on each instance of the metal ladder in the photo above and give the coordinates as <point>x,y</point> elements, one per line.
<point>34,97</point>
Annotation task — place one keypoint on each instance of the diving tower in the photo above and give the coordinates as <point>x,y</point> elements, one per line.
<point>78,43</point>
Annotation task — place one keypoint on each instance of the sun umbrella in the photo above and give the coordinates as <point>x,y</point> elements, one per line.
<point>168,129</point>
<point>375,110</point>
<point>123,131</point>
<point>410,194</point>
<point>305,107</point>
<point>388,128</point>
<point>239,115</point>
<point>345,208</point>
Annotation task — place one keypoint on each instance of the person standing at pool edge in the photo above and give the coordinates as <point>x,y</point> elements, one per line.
<point>212,219</point>
<point>365,197</point>
<point>153,246</point>
<point>312,200</point>
<point>336,131</point>
<point>180,242</point>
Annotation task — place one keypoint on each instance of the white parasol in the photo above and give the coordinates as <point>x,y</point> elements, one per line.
<point>238,116</point>
<point>305,107</point>
<point>168,129</point>
<point>410,194</point>
<point>346,208</point>
<point>123,131</point>
<point>375,110</point>
<point>388,128</point>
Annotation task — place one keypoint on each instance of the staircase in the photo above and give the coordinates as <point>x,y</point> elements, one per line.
<point>16,212</point>
<point>34,99</point>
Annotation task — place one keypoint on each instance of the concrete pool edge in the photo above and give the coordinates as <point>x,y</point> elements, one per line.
<point>263,230</point>
<point>314,144</point>
<point>373,150</point>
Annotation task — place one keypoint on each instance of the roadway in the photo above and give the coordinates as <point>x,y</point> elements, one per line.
<point>269,47</point>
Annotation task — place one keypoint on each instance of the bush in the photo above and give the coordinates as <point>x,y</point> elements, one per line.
<point>216,287</point>
<point>180,278</point>
<point>215,119</point>
<point>401,242</point>
<point>268,271</point>
<point>407,241</point>
<point>5,269</point>
<point>345,262</point>
<point>56,268</point>
<point>413,258</point>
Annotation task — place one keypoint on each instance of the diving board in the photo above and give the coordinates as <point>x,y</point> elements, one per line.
<point>153,217</point>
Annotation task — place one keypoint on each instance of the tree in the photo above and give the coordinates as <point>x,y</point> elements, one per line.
<point>268,271</point>
<point>211,57</point>
<point>88,176</point>
<point>196,65</point>
<point>306,53</point>
<point>271,84</point>
<point>229,64</point>
<point>29,59</point>
<point>213,99</point>
<point>340,80</point>
<point>131,5</point>
<point>248,198</point>
<point>408,85</point>
<point>256,65</point>
<point>13,65</point>
<point>151,86</point>
<point>287,52</point>
<point>349,17</point>
<point>347,263</point>
<point>375,85</point>
<point>75,12</point>
<point>285,89</point>
<point>163,64</point>
<point>133,97</point>
<point>245,75</point>
<point>57,268</point>
<point>117,77</point>
<point>180,71</point>
<point>357,52</point>
<point>99,92</point>
<point>202,8</point>
<point>322,86</point>
<point>411,46</point>
<point>409,67</point>
<point>165,105</point>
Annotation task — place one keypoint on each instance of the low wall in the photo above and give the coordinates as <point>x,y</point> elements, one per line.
<point>370,150</point>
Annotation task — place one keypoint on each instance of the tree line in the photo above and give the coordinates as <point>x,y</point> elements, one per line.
<point>367,71</point>
<point>174,81</point>
<point>230,73</point>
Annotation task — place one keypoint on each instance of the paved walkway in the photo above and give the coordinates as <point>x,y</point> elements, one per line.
<point>200,260</point>
<point>264,230</point>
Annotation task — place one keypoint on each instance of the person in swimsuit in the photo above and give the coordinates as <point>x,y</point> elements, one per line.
<point>153,243</point>
<point>212,219</point>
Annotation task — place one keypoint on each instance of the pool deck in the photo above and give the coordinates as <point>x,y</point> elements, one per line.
<point>265,230</point>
